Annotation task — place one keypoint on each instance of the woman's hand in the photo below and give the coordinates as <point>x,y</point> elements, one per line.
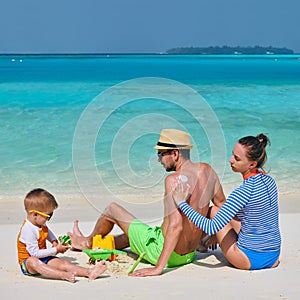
<point>180,191</point>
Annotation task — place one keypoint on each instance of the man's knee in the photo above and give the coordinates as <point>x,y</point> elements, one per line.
<point>119,215</point>
<point>112,209</point>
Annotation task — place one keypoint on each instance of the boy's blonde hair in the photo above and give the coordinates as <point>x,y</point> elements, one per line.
<point>40,199</point>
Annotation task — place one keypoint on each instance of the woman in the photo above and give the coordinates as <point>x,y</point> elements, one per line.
<point>247,225</point>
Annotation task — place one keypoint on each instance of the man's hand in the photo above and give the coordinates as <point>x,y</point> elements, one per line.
<point>147,272</point>
<point>180,192</point>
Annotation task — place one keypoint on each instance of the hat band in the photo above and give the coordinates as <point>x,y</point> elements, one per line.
<point>171,145</point>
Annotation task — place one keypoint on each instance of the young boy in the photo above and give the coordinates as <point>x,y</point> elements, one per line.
<point>33,255</point>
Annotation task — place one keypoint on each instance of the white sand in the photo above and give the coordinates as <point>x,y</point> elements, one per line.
<point>208,277</point>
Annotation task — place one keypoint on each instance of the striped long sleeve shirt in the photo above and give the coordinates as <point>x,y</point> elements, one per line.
<point>255,203</point>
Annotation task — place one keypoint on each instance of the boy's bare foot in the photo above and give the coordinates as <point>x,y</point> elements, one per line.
<point>69,276</point>
<point>99,268</point>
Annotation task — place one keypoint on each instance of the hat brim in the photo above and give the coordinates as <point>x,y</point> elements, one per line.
<point>158,147</point>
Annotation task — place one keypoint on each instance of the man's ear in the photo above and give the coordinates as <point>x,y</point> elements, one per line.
<point>176,154</point>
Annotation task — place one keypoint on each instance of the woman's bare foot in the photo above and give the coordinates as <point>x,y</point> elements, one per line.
<point>99,268</point>
<point>276,264</point>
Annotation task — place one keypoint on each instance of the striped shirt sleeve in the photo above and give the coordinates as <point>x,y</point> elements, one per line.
<point>236,201</point>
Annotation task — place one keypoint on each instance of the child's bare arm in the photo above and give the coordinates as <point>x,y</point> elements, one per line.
<point>54,243</point>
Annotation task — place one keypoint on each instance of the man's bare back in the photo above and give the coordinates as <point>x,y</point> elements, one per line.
<point>205,187</point>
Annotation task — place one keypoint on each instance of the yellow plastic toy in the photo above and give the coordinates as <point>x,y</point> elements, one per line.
<point>108,242</point>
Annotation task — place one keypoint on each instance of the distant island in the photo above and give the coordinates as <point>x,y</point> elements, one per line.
<point>230,50</point>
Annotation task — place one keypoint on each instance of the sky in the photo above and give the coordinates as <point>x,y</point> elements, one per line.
<point>140,26</point>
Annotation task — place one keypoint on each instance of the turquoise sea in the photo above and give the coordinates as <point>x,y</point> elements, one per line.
<point>83,125</point>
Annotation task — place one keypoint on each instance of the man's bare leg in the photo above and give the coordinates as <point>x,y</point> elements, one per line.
<point>113,214</point>
<point>121,241</point>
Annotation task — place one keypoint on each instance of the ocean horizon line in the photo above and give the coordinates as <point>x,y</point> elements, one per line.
<point>145,53</point>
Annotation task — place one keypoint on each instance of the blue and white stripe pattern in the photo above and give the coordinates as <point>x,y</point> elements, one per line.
<point>255,203</point>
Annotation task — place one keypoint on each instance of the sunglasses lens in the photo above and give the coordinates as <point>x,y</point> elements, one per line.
<point>161,154</point>
<point>50,216</point>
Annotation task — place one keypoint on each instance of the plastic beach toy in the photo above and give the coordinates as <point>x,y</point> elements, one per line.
<point>65,240</point>
<point>103,254</point>
<point>108,242</point>
<point>137,262</point>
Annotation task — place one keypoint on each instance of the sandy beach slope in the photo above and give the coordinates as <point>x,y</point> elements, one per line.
<point>208,277</point>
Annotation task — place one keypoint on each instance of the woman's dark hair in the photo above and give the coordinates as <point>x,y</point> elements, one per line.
<point>256,146</point>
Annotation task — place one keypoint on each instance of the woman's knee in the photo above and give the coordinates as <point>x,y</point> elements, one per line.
<point>213,211</point>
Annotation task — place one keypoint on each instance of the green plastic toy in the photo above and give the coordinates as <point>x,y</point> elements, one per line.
<point>137,262</point>
<point>65,240</point>
<point>102,254</point>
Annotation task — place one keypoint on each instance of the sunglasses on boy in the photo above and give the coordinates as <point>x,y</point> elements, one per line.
<point>48,216</point>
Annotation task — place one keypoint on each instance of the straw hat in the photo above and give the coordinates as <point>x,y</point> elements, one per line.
<point>173,139</point>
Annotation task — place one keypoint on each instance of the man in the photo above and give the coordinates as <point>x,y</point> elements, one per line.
<point>175,242</point>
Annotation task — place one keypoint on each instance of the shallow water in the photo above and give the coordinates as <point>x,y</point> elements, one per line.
<point>87,124</point>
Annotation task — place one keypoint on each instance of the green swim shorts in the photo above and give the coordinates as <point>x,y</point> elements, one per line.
<point>143,238</point>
